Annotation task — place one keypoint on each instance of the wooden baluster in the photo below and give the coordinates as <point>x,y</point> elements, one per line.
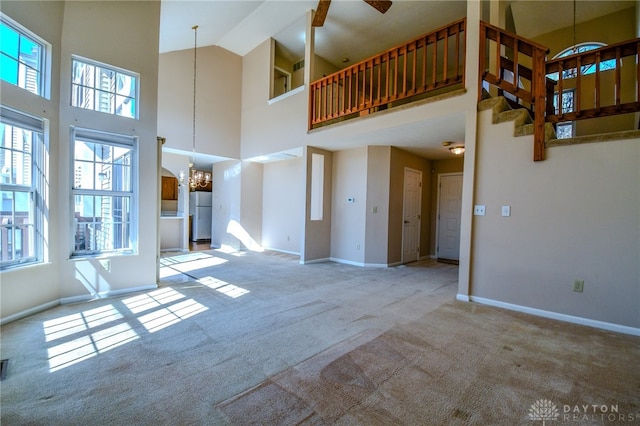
<point>344,98</point>
<point>380,81</point>
<point>388,77</point>
<point>435,62</point>
<point>446,56</point>
<point>395,75</point>
<point>638,72</point>
<point>457,52</point>
<point>560,89</point>
<point>539,92</point>
<point>516,68</point>
<point>481,62</point>
<point>617,88</point>
<point>413,68</point>
<point>597,88</point>
<point>498,49</point>
<point>425,45</point>
<point>405,55</point>
<point>370,63</point>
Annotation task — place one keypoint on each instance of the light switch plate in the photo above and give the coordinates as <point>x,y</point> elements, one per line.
<point>506,211</point>
<point>478,210</point>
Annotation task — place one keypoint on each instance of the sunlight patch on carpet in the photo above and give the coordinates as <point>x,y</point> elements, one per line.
<point>223,287</point>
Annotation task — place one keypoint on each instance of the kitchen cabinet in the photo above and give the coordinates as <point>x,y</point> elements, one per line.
<point>169,188</point>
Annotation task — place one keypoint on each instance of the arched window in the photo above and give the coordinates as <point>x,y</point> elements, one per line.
<point>585,69</point>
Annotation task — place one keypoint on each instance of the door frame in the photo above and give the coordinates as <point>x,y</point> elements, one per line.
<point>404,173</point>
<point>440,176</point>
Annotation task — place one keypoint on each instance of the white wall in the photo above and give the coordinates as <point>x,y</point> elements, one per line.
<point>348,227</point>
<point>573,216</point>
<point>78,28</point>
<point>36,286</point>
<point>283,205</point>
<point>218,100</point>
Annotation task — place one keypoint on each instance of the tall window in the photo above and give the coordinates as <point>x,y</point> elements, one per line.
<point>104,88</point>
<point>22,171</point>
<point>22,57</point>
<point>103,192</point>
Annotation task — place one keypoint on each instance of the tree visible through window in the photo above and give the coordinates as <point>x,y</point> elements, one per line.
<point>587,69</point>
<point>103,168</point>
<point>103,88</point>
<point>565,129</point>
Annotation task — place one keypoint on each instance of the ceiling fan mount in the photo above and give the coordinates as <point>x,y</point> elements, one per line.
<point>323,7</point>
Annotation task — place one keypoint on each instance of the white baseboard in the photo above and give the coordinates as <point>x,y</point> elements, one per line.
<point>618,328</point>
<point>29,312</point>
<point>462,297</point>
<point>295,253</point>
<point>308,262</point>
<point>181,250</point>
<point>106,294</point>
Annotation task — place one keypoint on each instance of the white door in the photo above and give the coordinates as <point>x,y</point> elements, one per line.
<point>449,212</point>
<point>411,215</point>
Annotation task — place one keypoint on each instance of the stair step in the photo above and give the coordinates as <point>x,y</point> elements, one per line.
<point>502,112</point>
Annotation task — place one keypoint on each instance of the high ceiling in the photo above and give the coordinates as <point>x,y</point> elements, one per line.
<point>354,30</point>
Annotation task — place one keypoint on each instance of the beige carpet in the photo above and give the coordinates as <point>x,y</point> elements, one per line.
<point>461,364</point>
<point>248,338</point>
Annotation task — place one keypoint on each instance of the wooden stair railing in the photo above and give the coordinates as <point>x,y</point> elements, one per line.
<point>533,87</point>
<point>430,62</point>
<point>527,84</point>
<point>566,68</point>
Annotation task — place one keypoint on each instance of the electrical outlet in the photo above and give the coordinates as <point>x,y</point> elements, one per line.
<point>478,210</point>
<point>578,286</point>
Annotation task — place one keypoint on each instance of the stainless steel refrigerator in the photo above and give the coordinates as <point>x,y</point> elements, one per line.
<point>200,209</point>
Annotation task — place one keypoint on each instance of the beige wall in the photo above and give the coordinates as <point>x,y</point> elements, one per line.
<point>283,205</point>
<point>316,235</point>
<point>573,216</point>
<point>133,28</point>
<point>377,205</point>
<point>218,99</point>
<point>347,224</point>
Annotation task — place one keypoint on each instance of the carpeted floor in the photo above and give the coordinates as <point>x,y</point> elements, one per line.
<point>250,338</point>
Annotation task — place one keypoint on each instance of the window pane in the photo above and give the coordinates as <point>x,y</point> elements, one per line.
<point>29,52</point>
<point>103,89</point>
<point>9,41</point>
<point>9,70</point>
<point>125,107</point>
<point>102,223</point>
<point>83,73</point>
<point>126,85</point>
<point>16,226</point>
<point>564,130</point>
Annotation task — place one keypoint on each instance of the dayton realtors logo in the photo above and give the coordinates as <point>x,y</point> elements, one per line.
<point>546,410</point>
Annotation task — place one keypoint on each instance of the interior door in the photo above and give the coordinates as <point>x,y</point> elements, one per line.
<point>449,213</point>
<point>411,215</point>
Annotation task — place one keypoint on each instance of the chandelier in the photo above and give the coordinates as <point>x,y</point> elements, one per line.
<point>197,178</point>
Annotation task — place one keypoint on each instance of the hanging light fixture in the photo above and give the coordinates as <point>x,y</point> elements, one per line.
<point>197,178</point>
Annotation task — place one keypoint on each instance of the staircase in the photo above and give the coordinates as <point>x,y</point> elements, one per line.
<point>521,117</point>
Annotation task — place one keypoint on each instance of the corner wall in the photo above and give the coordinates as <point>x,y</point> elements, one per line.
<point>574,216</point>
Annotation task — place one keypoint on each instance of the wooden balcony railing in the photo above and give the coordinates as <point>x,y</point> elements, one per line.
<point>591,62</point>
<point>430,62</point>
<point>518,68</point>
<point>537,83</point>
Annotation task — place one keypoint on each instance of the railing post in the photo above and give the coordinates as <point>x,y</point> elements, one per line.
<point>539,94</point>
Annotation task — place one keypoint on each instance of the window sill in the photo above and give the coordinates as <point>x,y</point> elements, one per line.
<point>286,95</point>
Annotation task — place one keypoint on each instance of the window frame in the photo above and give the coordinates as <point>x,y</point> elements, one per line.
<point>114,140</point>
<point>557,102</point>
<point>35,191</point>
<point>116,70</point>
<point>44,58</point>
